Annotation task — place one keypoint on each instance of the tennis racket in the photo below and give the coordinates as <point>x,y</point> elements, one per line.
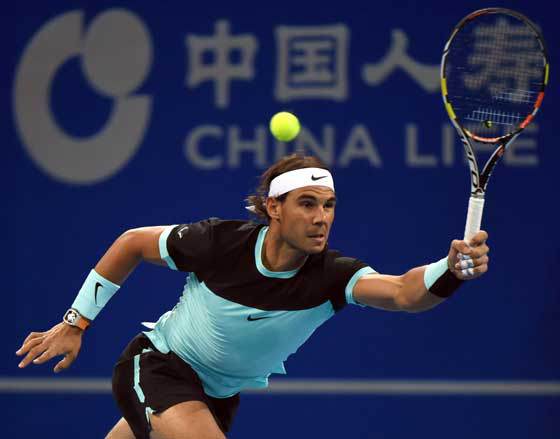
<point>494,71</point>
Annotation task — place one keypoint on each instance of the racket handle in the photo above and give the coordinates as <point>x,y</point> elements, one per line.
<point>474,217</point>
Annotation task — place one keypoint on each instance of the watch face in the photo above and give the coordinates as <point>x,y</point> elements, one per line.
<point>71,317</point>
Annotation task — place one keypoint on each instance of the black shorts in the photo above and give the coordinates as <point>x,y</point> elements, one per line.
<point>146,381</point>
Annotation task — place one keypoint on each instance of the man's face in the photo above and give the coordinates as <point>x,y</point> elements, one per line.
<point>306,216</point>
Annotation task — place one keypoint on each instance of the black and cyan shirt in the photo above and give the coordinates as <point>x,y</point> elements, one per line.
<point>237,321</point>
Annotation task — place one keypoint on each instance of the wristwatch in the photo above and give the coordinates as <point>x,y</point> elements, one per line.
<point>73,317</point>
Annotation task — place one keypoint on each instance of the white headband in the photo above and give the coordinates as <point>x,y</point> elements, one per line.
<point>288,181</point>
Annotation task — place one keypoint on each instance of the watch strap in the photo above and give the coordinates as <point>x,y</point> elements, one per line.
<point>73,317</point>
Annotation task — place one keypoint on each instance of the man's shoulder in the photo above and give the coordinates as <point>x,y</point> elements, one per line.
<point>236,226</point>
<point>211,242</point>
<point>214,231</point>
<point>328,257</point>
<point>332,262</point>
<point>226,234</point>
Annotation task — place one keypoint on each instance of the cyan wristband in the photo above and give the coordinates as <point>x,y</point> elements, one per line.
<point>94,295</point>
<point>439,280</point>
<point>434,271</point>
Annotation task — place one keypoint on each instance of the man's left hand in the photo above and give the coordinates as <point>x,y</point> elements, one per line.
<point>469,260</point>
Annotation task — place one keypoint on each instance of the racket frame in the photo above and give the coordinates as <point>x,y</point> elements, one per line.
<point>479,180</point>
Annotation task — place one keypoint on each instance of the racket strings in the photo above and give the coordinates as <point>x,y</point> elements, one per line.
<point>490,116</point>
<point>494,73</point>
<point>517,96</point>
<point>502,53</point>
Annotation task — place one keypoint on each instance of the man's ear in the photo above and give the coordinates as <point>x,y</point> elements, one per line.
<point>273,208</point>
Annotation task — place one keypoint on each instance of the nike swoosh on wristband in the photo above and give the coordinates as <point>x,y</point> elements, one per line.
<point>317,178</point>
<point>252,319</point>
<point>97,285</point>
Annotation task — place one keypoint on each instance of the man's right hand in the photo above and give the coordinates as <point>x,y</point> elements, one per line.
<point>61,339</point>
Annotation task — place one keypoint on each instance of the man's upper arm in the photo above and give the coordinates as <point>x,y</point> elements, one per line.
<point>147,242</point>
<point>378,291</point>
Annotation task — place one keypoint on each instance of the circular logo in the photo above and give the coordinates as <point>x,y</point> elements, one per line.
<point>116,56</point>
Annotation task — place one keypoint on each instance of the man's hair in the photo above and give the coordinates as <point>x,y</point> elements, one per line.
<point>292,162</point>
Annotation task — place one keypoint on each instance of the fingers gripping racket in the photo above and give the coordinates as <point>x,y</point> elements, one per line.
<point>494,71</point>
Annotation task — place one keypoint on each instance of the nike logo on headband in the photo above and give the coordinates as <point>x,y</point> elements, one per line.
<point>317,178</point>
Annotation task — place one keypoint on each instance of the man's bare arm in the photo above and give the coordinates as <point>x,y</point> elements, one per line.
<point>396,293</point>
<point>117,263</point>
<point>408,292</point>
<point>131,248</point>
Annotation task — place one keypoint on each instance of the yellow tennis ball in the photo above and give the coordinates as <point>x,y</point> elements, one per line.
<point>284,126</point>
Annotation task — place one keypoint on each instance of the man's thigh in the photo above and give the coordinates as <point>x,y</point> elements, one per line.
<point>121,430</point>
<point>187,420</point>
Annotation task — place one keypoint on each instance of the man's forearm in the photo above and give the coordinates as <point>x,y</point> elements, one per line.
<point>113,268</point>
<point>120,259</point>
<point>413,295</point>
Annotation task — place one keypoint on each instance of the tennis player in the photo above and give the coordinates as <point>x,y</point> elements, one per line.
<point>254,295</point>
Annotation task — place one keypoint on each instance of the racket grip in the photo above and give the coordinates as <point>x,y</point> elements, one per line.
<point>474,217</point>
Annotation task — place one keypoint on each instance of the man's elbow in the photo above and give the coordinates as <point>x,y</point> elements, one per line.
<point>143,242</point>
<point>130,242</point>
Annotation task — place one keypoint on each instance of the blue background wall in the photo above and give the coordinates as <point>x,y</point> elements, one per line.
<point>400,177</point>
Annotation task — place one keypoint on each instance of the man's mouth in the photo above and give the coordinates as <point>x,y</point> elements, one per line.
<point>317,236</point>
